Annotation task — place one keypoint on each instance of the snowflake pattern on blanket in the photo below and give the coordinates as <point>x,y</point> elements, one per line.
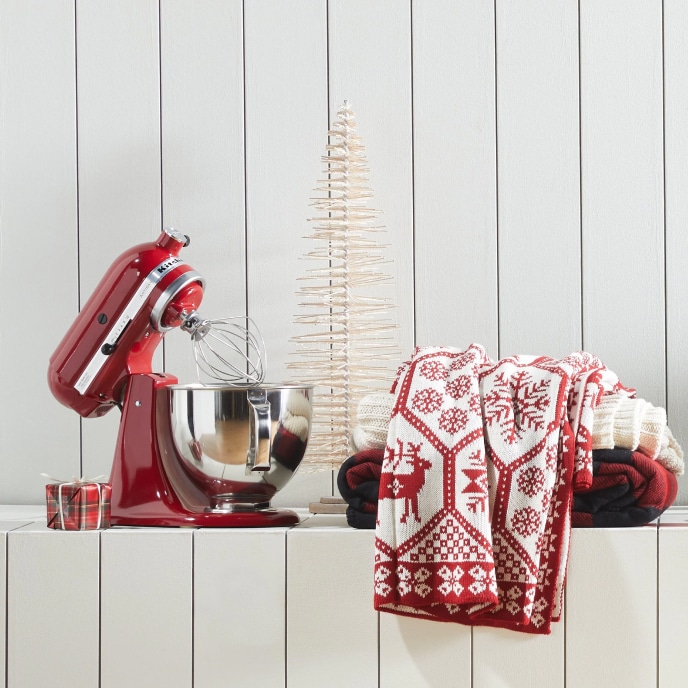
<point>475,490</point>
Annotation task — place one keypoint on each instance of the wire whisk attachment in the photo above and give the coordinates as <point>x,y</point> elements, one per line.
<point>227,350</point>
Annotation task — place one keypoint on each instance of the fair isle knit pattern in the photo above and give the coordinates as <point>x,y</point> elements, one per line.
<point>476,487</point>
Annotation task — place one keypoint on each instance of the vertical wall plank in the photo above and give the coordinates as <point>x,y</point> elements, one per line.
<point>203,154</point>
<point>676,209</point>
<point>5,527</point>
<point>52,608</point>
<point>119,155</point>
<point>518,660</point>
<point>622,190</point>
<point>286,134</point>
<point>418,652</point>
<point>3,604</point>
<point>146,608</point>
<point>332,634</point>
<point>455,189</point>
<point>38,239</point>
<point>370,66</point>
<point>239,615</point>
<point>611,628</point>
<point>538,175</point>
<point>673,598</point>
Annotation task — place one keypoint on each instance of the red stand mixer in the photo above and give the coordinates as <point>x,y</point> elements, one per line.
<point>186,455</point>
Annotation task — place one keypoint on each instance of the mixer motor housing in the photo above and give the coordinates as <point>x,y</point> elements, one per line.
<point>142,296</point>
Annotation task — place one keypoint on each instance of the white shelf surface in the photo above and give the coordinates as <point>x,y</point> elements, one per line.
<point>183,604</point>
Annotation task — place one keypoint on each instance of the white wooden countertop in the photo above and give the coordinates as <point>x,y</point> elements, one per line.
<point>294,607</point>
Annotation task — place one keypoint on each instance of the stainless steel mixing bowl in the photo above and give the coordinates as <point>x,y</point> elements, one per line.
<point>232,448</point>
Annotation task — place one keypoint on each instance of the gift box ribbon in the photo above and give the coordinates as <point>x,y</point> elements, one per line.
<point>77,481</point>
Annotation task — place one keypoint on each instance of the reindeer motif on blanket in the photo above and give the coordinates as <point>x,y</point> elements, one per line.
<point>400,484</point>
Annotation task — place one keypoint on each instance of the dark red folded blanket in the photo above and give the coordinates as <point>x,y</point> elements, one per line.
<point>628,489</point>
<point>358,481</point>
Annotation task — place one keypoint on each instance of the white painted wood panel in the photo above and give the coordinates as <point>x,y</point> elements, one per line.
<point>622,190</point>
<point>507,659</point>
<point>38,239</point>
<point>419,653</point>
<point>676,216</point>
<point>203,155</point>
<point>239,614</point>
<point>370,66</point>
<point>286,135</point>
<point>611,608</point>
<point>3,605</point>
<point>146,608</point>
<point>454,157</point>
<point>538,177</point>
<point>119,156</point>
<point>52,608</point>
<point>332,628</point>
<point>673,599</point>
<point>5,527</point>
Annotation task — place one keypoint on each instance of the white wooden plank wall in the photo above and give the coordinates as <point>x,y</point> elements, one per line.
<point>146,608</point>
<point>53,614</point>
<point>118,117</point>
<point>293,608</point>
<point>672,599</point>
<point>611,608</point>
<point>454,155</point>
<point>529,159</point>
<point>417,652</point>
<point>332,627</point>
<point>202,93</point>
<point>623,190</point>
<point>38,240</point>
<point>538,177</point>
<point>369,62</point>
<point>676,215</point>
<point>239,613</point>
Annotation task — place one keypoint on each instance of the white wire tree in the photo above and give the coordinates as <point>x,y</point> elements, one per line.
<point>348,345</point>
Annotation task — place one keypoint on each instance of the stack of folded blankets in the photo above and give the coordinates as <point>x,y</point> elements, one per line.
<point>473,471</point>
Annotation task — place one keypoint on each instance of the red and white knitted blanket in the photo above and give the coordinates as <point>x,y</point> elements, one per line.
<point>476,487</point>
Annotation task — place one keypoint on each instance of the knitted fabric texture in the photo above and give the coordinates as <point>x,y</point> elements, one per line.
<point>636,424</point>
<point>628,489</point>
<point>671,454</point>
<point>358,481</point>
<point>627,422</point>
<point>373,413</point>
<point>476,485</point>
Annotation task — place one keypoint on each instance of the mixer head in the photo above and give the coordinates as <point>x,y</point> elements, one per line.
<point>230,351</point>
<point>147,291</point>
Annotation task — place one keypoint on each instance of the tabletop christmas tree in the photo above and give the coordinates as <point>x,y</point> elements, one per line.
<point>347,347</point>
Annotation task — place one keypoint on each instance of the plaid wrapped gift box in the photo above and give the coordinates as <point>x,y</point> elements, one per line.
<point>79,505</point>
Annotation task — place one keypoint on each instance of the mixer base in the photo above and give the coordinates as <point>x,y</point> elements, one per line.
<point>260,518</point>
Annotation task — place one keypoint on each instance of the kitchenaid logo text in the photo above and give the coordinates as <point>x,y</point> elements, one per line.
<point>164,267</point>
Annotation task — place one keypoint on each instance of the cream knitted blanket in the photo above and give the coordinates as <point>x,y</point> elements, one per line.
<point>636,424</point>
